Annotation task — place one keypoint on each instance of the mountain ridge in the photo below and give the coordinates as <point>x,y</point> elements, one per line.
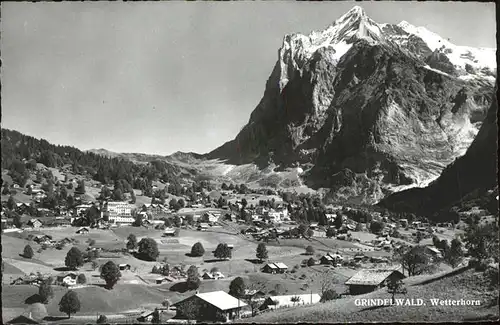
<point>334,96</point>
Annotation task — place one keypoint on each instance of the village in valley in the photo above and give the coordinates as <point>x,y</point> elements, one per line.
<point>240,252</point>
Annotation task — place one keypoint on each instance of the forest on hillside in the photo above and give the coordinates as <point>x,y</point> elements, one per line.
<point>21,153</point>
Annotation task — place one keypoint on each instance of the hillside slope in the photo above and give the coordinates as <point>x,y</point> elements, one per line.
<point>467,285</point>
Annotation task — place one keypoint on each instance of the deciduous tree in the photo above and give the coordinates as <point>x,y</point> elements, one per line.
<point>197,250</point>
<point>193,278</point>
<point>74,258</point>
<point>111,274</point>
<point>70,303</point>
<point>28,252</point>
<point>237,287</point>
<point>261,252</point>
<point>148,249</point>
<point>222,251</point>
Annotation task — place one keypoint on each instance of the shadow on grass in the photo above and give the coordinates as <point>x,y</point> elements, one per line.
<point>254,260</point>
<point>180,287</point>
<point>191,255</point>
<point>33,299</point>
<point>373,307</point>
<point>214,260</point>
<point>63,269</point>
<point>55,318</point>
<point>23,256</point>
<point>142,257</point>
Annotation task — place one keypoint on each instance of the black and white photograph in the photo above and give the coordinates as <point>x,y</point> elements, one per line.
<point>259,162</point>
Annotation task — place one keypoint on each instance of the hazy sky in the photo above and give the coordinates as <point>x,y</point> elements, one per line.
<point>162,77</point>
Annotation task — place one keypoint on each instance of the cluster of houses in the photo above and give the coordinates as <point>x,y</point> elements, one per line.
<point>65,279</point>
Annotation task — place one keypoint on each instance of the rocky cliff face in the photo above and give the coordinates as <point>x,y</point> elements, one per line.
<point>476,171</point>
<point>380,107</point>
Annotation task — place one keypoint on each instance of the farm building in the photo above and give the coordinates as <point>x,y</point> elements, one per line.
<point>146,316</point>
<point>209,306</point>
<point>433,252</point>
<point>169,232</point>
<point>68,279</point>
<point>83,230</point>
<point>203,226</point>
<point>124,267</point>
<point>35,223</point>
<point>254,294</point>
<point>212,275</point>
<point>371,279</point>
<point>330,259</point>
<point>275,302</point>
<point>275,268</point>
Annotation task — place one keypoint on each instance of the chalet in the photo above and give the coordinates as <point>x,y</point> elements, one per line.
<point>330,259</point>
<point>176,271</point>
<point>146,316</point>
<point>169,232</point>
<point>313,226</point>
<point>124,267</point>
<point>275,302</point>
<point>254,294</point>
<point>209,217</point>
<point>68,279</point>
<point>270,268</point>
<point>82,208</point>
<point>35,223</point>
<point>209,306</point>
<point>42,238</point>
<point>275,268</point>
<point>433,252</point>
<point>371,279</point>
<point>212,275</point>
<point>403,222</point>
<point>83,230</point>
<point>203,226</point>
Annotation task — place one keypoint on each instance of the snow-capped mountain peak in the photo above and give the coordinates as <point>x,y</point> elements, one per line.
<point>297,49</point>
<point>337,39</point>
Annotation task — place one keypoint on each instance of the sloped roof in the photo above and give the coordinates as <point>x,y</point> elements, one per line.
<point>271,265</point>
<point>21,319</point>
<point>221,300</point>
<point>281,265</point>
<point>371,277</point>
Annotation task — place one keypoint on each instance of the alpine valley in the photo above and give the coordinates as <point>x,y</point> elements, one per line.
<point>356,112</point>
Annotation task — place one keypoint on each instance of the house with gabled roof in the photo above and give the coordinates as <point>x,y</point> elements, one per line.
<point>209,306</point>
<point>371,279</point>
<point>275,268</point>
<point>35,223</point>
<point>330,258</point>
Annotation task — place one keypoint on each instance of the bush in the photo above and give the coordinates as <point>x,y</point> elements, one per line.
<point>311,262</point>
<point>309,250</point>
<point>102,319</point>
<point>81,279</point>
<point>328,295</point>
